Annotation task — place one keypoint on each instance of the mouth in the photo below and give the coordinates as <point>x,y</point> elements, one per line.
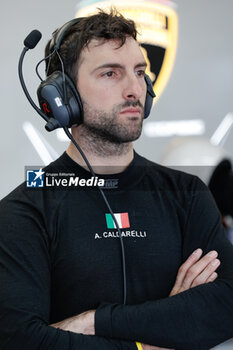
<point>132,111</point>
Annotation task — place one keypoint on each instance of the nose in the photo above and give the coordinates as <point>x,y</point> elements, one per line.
<point>134,87</point>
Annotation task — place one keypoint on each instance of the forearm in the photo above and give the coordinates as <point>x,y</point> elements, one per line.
<point>41,337</point>
<point>84,324</point>
<point>199,318</point>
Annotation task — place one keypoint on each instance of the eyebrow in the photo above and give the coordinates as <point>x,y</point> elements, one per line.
<point>117,65</point>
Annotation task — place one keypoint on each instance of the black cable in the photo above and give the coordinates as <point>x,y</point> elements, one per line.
<point>109,208</point>
<point>39,63</point>
<point>63,77</point>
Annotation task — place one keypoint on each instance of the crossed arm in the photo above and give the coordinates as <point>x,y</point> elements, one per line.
<point>195,271</point>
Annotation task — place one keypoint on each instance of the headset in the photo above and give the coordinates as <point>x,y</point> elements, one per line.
<point>59,98</point>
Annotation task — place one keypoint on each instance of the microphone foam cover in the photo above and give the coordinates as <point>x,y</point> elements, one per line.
<point>32,39</point>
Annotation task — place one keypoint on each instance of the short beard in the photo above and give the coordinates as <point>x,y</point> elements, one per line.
<point>105,126</point>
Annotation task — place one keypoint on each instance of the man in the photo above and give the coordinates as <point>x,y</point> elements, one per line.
<point>59,258</point>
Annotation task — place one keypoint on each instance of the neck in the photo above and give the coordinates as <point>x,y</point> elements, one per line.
<point>104,156</point>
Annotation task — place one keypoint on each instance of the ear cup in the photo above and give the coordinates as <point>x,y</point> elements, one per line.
<point>149,96</point>
<point>60,100</point>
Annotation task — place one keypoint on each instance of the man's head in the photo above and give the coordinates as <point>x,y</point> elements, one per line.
<point>101,55</point>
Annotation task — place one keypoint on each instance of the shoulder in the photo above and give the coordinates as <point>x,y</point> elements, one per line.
<point>170,178</point>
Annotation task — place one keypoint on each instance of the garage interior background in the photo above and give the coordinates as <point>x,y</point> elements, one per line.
<point>200,87</point>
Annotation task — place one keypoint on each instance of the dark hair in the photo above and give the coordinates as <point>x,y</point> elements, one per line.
<point>102,25</point>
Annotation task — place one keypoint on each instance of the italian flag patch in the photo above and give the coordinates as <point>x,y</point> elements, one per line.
<point>121,218</point>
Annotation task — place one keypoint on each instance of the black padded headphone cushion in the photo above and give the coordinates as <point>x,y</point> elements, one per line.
<point>62,98</point>
<point>149,96</point>
<point>75,102</point>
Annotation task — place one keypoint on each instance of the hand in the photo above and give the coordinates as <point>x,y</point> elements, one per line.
<point>83,323</point>
<point>196,271</point>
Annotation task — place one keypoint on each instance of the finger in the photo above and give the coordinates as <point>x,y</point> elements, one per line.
<point>212,278</point>
<point>194,257</point>
<point>197,268</point>
<point>206,273</point>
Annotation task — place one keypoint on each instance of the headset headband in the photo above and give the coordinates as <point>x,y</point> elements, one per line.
<point>58,35</point>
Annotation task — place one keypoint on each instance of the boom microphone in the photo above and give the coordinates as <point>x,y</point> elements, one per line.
<point>32,39</point>
<point>30,42</point>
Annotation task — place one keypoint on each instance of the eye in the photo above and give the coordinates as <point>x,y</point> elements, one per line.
<point>140,73</point>
<point>109,74</point>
